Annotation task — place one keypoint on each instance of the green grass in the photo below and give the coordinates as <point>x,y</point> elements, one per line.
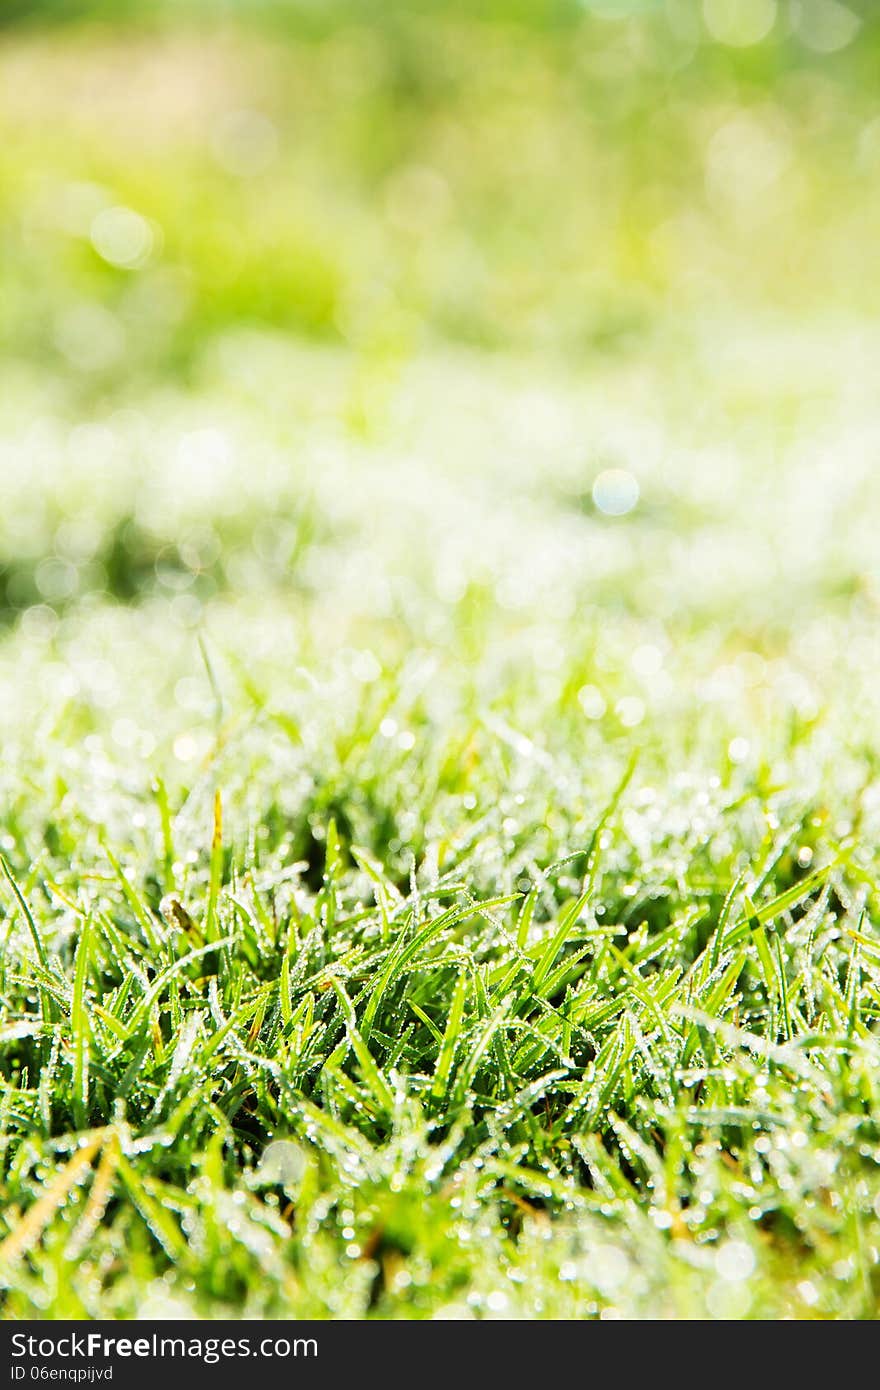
<point>425,892</point>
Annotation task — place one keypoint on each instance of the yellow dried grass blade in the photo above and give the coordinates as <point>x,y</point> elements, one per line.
<point>37,1217</point>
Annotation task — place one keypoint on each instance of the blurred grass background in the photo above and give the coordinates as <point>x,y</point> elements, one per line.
<point>563,179</point>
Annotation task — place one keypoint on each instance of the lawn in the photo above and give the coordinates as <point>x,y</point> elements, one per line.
<point>439,662</point>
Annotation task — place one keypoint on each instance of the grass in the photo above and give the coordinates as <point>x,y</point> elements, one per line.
<point>439,795</point>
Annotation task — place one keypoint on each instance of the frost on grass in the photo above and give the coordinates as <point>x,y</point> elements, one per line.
<point>526,962</point>
<point>439,797</point>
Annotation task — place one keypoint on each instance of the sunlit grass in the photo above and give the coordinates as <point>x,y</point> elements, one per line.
<point>528,1026</point>
<point>439,795</point>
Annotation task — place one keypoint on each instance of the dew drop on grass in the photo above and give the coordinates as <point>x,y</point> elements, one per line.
<point>283,1162</point>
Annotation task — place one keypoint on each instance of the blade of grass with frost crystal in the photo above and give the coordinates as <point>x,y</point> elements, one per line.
<point>243,1014</point>
<point>145,1003</point>
<point>28,916</point>
<point>370,1070</point>
<point>765,912</point>
<point>468,1070</point>
<point>451,1038</point>
<point>714,1002</point>
<point>724,918</point>
<point>285,1001</point>
<point>155,1214</point>
<point>405,951</point>
<point>428,1022</point>
<point>80,1026</point>
<point>524,920</point>
<point>142,914</point>
<point>386,894</point>
<point>567,920</point>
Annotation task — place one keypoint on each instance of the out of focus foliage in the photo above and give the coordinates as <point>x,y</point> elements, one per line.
<point>559,177</point>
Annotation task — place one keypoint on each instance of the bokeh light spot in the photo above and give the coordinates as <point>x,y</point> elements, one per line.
<point>739,23</point>
<point>122,238</point>
<point>615,492</point>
